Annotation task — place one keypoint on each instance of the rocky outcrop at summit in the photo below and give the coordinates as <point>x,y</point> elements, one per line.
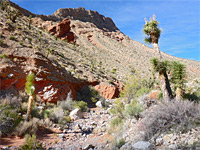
<point>81,14</point>
<point>62,30</point>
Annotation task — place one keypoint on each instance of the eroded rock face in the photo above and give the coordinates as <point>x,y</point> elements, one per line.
<point>52,82</point>
<point>62,30</point>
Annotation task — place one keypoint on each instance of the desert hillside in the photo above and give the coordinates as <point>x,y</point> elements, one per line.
<point>74,77</point>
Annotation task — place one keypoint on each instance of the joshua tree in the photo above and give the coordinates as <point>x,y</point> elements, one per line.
<point>30,89</point>
<point>152,31</point>
<point>29,21</point>
<point>178,75</point>
<point>161,67</point>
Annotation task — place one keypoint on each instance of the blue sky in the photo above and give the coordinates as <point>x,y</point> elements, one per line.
<point>179,19</point>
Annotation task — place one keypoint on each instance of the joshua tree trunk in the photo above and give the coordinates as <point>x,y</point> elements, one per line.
<point>157,49</point>
<point>30,102</point>
<point>179,94</point>
<point>165,86</point>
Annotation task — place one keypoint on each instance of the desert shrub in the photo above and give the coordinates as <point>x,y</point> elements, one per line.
<point>67,104</point>
<point>2,42</point>
<point>118,108</point>
<point>195,96</point>
<point>171,115</point>
<point>46,122</point>
<point>31,143</point>
<point>56,114</point>
<point>9,119</point>
<point>118,143</point>
<point>12,38</point>
<point>46,113</point>
<point>117,121</point>
<point>21,43</point>
<point>64,120</point>
<point>4,55</point>
<point>135,87</point>
<point>37,113</point>
<point>81,105</point>
<point>133,109</point>
<point>27,127</point>
<point>12,101</point>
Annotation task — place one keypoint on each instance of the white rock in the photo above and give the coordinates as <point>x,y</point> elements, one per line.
<point>99,104</point>
<point>142,145</point>
<point>76,114</point>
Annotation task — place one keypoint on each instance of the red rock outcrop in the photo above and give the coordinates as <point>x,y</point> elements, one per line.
<point>62,30</point>
<point>107,91</point>
<point>52,82</point>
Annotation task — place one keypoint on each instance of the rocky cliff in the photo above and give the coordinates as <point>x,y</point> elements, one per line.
<point>101,22</point>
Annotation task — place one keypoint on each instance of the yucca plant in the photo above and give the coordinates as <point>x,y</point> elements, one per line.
<point>162,67</point>
<point>30,90</point>
<point>178,78</point>
<point>153,32</point>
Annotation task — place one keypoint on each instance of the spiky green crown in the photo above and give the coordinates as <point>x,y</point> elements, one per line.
<point>29,86</point>
<point>152,31</point>
<point>178,74</point>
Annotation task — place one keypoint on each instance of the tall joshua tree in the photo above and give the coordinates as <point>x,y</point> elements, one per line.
<point>153,32</point>
<point>161,67</point>
<point>30,89</point>
<point>178,78</point>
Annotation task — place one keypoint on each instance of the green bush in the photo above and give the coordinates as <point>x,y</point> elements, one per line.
<point>119,143</point>
<point>133,109</point>
<point>31,143</point>
<point>21,43</point>
<point>135,87</point>
<point>12,38</point>
<point>4,56</point>
<point>81,105</point>
<point>118,109</point>
<point>46,113</point>
<point>117,121</point>
<point>2,43</point>
<point>9,119</point>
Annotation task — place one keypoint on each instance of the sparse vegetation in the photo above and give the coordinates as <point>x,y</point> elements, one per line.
<point>12,38</point>
<point>27,127</point>
<point>4,56</point>
<point>31,143</point>
<point>81,105</point>
<point>1,42</point>
<point>176,116</point>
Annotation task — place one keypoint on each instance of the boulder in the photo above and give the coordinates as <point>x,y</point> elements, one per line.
<point>62,30</point>
<point>52,29</point>
<point>142,145</point>
<point>107,91</point>
<point>63,27</point>
<point>99,104</point>
<point>76,114</point>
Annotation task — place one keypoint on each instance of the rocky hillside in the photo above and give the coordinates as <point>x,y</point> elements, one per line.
<point>98,53</point>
